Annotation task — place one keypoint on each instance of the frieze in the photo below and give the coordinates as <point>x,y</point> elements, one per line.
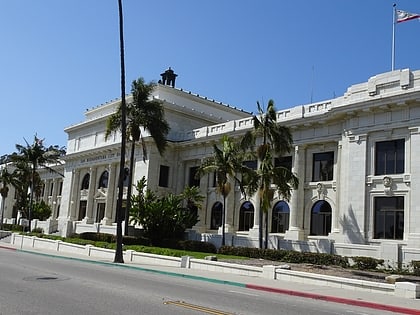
<point>98,158</point>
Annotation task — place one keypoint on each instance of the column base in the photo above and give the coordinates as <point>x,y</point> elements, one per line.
<point>228,229</point>
<point>254,232</point>
<point>106,221</point>
<point>295,234</point>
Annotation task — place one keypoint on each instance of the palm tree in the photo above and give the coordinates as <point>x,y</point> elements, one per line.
<point>29,158</point>
<point>226,163</point>
<point>6,179</point>
<point>142,113</point>
<point>275,140</point>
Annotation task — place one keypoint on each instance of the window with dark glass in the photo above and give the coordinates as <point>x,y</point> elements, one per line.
<point>103,180</point>
<point>216,215</point>
<point>251,164</point>
<point>82,209</point>
<point>280,217</point>
<point>126,178</point>
<point>51,189</point>
<point>321,218</point>
<point>164,176</point>
<point>85,182</point>
<point>389,157</point>
<point>389,218</point>
<point>193,180</point>
<point>60,189</point>
<point>323,166</point>
<point>100,212</point>
<point>283,161</point>
<point>246,216</point>
<point>214,179</point>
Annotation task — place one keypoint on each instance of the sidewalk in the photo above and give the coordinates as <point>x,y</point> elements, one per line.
<point>329,294</point>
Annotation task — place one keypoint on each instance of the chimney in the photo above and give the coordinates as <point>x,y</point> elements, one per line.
<point>168,77</point>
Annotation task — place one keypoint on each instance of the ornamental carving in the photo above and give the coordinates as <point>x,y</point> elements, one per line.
<point>387,181</point>
<point>322,192</point>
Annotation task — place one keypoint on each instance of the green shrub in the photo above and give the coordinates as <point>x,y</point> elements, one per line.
<point>97,237</point>
<point>38,230</point>
<point>197,246</point>
<point>366,263</point>
<point>285,255</point>
<point>12,227</point>
<point>41,211</point>
<point>416,267</point>
<point>132,240</point>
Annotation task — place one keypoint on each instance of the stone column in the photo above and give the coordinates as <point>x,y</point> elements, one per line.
<point>46,190</point>
<point>335,226</point>
<point>254,232</point>
<point>74,194</point>
<point>296,231</point>
<point>54,197</point>
<point>230,203</point>
<point>109,207</point>
<point>91,194</point>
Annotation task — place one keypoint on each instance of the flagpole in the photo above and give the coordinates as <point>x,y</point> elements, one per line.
<point>394,12</point>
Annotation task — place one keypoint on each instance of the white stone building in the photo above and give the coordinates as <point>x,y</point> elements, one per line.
<point>357,157</point>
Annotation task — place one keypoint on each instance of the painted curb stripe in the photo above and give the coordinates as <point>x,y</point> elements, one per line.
<point>395,309</point>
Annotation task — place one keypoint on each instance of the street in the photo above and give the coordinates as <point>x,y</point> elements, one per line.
<point>36,284</point>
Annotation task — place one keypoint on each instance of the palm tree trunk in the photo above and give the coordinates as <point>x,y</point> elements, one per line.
<point>119,250</point>
<point>31,197</point>
<point>260,232</point>
<point>129,188</point>
<point>266,230</point>
<point>223,219</point>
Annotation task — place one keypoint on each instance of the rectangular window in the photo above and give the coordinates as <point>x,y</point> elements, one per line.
<point>193,180</point>
<point>60,190</point>
<point>389,157</point>
<point>283,161</point>
<point>323,166</point>
<point>164,176</point>
<point>389,218</point>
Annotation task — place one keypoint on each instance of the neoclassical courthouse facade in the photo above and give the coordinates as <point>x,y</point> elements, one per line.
<point>357,157</point>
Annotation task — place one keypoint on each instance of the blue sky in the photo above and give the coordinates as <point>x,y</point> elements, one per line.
<point>58,58</point>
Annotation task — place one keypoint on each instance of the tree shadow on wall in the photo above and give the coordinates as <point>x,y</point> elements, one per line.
<point>351,228</point>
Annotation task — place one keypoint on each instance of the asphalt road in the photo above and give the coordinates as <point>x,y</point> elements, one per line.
<point>33,284</point>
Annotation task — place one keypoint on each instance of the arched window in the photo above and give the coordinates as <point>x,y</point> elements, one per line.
<point>216,215</point>
<point>246,216</point>
<point>280,217</point>
<point>103,181</point>
<point>85,182</point>
<point>321,218</point>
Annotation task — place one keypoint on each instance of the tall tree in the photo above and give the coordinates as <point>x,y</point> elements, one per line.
<point>142,114</point>
<point>275,140</point>
<point>226,163</point>
<point>28,159</point>
<point>6,179</point>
